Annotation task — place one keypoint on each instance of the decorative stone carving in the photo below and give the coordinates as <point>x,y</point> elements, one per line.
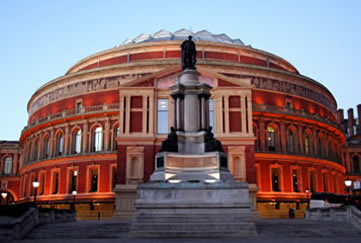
<point>81,88</point>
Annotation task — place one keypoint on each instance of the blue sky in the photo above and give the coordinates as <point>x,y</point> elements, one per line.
<point>41,40</point>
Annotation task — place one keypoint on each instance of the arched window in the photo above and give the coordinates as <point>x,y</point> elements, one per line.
<point>307,144</point>
<point>77,142</point>
<point>46,147</point>
<point>35,151</point>
<point>97,139</point>
<point>356,164</point>
<point>8,163</point>
<point>271,139</point>
<point>59,144</point>
<point>291,142</point>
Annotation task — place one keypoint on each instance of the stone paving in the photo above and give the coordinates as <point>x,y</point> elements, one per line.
<point>272,230</point>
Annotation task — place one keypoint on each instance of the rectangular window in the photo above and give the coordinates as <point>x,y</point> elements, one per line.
<point>78,107</point>
<point>295,181</point>
<point>73,180</point>
<point>162,126</point>
<point>275,180</point>
<point>211,113</point>
<point>55,182</point>
<point>93,180</point>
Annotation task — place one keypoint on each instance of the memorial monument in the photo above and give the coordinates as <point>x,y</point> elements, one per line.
<point>191,192</point>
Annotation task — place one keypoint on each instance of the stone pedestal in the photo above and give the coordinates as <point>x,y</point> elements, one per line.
<point>125,196</point>
<point>185,209</point>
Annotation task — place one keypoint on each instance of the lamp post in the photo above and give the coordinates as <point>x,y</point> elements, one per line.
<point>308,201</point>
<point>4,195</point>
<point>348,184</point>
<point>74,194</point>
<point>35,185</point>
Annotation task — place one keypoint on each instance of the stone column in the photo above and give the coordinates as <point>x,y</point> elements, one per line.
<point>262,134</point>
<point>67,138</point>
<point>15,163</point>
<point>85,137</point>
<point>203,113</point>
<point>243,114</point>
<point>175,112</point>
<point>300,138</point>
<point>51,144</point>
<point>151,112</point>
<point>226,114</point>
<point>283,136</point>
<point>191,113</point>
<point>121,115</point>
<point>207,113</point>
<point>181,113</point>
<point>106,134</point>
<point>127,116</point>
<point>145,111</point>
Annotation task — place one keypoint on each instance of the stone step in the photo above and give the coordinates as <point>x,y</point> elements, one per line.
<point>190,227</point>
<point>79,230</point>
<point>188,234</point>
<point>187,219</point>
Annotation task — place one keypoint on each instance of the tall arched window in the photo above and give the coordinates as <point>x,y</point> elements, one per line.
<point>271,139</point>
<point>97,139</point>
<point>307,144</point>
<point>356,164</point>
<point>77,142</point>
<point>291,142</point>
<point>35,151</point>
<point>46,147</point>
<point>8,163</point>
<point>59,144</point>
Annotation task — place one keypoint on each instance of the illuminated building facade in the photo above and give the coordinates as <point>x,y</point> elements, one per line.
<point>102,123</point>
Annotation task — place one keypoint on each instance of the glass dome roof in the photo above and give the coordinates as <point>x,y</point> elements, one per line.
<point>182,34</point>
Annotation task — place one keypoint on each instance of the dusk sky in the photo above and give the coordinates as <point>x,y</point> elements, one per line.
<point>41,40</point>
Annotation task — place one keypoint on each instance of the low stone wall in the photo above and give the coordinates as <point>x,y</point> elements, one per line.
<point>17,228</point>
<point>348,214</point>
<point>49,215</point>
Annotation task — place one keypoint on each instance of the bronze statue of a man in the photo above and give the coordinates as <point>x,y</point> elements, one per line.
<point>189,54</point>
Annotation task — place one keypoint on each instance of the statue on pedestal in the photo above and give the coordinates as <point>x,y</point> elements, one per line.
<point>189,54</point>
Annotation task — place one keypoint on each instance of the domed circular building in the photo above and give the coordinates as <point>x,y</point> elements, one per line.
<point>99,126</point>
